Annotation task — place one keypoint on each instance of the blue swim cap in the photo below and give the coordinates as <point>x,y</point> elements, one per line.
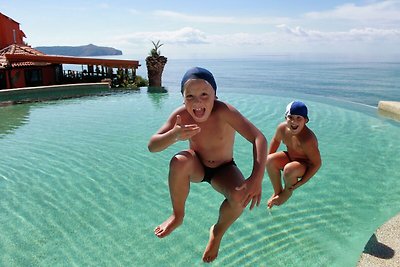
<point>297,108</point>
<point>199,73</point>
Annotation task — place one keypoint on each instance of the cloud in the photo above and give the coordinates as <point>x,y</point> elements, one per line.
<point>104,6</point>
<point>186,35</point>
<point>297,31</point>
<point>383,11</point>
<point>221,19</point>
<point>345,28</point>
<point>132,11</point>
<point>191,37</point>
<point>356,34</point>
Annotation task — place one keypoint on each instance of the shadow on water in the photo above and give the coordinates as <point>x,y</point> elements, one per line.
<point>157,95</point>
<point>13,117</point>
<point>377,249</point>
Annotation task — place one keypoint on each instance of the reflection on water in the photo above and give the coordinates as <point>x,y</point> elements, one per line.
<point>12,117</point>
<point>157,95</point>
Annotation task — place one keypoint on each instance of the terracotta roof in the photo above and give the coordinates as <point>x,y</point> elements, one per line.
<point>17,49</point>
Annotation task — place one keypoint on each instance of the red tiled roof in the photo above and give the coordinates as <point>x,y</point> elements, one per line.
<point>16,49</point>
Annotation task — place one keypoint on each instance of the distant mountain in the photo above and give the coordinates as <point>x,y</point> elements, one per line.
<point>79,51</point>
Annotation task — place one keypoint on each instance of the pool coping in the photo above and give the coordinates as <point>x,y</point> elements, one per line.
<point>39,93</point>
<point>383,248</point>
<point>389,109</point>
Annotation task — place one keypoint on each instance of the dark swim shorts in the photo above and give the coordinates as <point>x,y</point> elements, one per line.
<point>210,172</point>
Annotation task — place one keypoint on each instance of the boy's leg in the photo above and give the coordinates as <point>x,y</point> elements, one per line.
<point>225,182</point>
<point>184,167</point>
<point>291,172</point>
<point>275,163</point>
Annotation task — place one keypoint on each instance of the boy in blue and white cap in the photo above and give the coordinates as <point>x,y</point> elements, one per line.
<point>210,126</point>
<point>300,161</point>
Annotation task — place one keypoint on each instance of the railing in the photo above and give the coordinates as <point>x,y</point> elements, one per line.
<point>73,76</point>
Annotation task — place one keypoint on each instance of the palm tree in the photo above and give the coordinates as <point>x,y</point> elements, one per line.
<point>155,65</point>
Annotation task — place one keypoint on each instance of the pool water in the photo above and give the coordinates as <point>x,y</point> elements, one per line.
<point>78,186</point>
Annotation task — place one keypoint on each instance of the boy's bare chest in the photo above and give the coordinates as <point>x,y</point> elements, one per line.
<point>210,134</point>
<point>293,143</point>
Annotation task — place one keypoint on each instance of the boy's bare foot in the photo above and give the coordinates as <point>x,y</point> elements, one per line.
<point>167,226</point>
<point>211,251</point>
<point>279,199</point>
<point>272,201</point>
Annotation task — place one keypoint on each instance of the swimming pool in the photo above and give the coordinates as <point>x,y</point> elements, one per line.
<point>78,186</point>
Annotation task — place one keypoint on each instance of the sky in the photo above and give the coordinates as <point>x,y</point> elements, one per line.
<point>214,28</point>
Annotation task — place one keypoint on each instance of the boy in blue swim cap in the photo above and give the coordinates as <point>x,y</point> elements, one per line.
<point>210,126</point>
<point>300,161</point>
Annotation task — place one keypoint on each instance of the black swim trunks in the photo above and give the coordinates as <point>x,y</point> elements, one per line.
<point>210,172</point>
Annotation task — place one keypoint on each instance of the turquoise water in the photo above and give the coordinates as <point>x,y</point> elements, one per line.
<point>79,188</point>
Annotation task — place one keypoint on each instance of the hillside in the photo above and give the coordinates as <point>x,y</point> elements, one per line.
<point>79,51</point>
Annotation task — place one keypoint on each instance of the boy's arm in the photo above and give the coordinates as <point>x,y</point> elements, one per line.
<point>276,140</point>
<point>245,128</point>
<point>315,162</point>
<point>171,132</point>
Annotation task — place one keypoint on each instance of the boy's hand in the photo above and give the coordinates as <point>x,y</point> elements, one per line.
<point>185,132</point>
<point>252,193</point>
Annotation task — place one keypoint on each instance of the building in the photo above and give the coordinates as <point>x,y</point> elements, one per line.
<point>10,33</point>
<point>24,66</point>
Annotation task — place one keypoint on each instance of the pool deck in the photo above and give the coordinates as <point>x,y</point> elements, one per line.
<point>383,248</point>
<point>389,109</point>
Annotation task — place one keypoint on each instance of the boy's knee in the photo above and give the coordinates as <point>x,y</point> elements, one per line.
<point>269,162</point>
<point>177,161</point>
<point>272,164</point>
<point>287,171</point>
<point>180,161</point>
<point>293,170</point>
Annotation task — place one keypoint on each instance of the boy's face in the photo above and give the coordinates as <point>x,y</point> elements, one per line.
<point>295,123</point>
<point>199,97</point>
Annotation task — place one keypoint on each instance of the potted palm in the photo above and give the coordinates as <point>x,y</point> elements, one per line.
<point>155,65</point>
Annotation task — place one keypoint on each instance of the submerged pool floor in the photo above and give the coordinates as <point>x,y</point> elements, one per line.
<point>79,187</point>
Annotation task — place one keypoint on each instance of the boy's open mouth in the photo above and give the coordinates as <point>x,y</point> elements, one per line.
<point>199,112</point>
<point>294,127</point>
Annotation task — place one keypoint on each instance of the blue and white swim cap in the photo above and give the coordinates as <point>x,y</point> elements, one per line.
<point>297,108</point>
<point>198,73</point>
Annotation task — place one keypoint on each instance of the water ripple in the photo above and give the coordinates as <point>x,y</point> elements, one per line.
<point>80,193</point>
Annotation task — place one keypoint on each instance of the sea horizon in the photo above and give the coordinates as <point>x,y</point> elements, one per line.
<point>362,82</point>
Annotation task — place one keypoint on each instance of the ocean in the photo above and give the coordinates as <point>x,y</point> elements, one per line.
<point>362,82</point>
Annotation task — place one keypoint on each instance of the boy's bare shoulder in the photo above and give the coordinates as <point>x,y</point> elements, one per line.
<point>181,110</point>
<point>221,104</point>
<point>223,107</point>
<point>309,138</point>
<point>282,127</point>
